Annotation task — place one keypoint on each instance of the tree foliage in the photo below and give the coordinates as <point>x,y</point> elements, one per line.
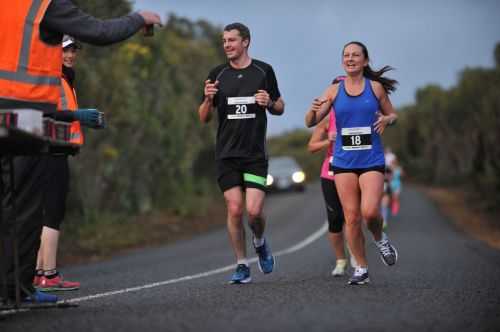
<point>452,136</point>
<point>154,153</point>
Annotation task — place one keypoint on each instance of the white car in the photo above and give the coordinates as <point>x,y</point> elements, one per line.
<point>285,174</point>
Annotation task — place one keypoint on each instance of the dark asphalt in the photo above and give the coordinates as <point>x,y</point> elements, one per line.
<point>444,281</point>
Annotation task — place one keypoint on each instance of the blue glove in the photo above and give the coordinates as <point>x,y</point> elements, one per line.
<point>91,118</point>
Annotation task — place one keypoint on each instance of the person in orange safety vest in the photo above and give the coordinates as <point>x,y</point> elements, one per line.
<point>47,277</point>
<point>30,78</point>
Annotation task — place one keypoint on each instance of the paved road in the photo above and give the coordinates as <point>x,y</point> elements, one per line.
<point>444,281</point>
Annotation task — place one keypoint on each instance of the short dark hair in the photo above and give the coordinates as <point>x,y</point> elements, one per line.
<point>242,29</point>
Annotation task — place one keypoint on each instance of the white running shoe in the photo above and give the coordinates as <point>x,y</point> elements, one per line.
<point>340,268</point>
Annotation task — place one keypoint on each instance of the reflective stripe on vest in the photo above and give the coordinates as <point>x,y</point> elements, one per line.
<point>68,102</point>
<point>30,70</point>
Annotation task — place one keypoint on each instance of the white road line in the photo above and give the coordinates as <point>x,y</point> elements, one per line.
<point>310,239</point>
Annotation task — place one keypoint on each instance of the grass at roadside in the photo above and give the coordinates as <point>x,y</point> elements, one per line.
<point>109,235</point>
<point>461,208</point>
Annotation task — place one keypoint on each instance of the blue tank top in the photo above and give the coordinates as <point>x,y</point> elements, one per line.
<point>357,145</point>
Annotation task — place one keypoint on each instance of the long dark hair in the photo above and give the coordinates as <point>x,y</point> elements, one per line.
<point>388,83</point>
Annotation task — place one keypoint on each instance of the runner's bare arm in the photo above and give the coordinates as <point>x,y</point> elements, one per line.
<point>321,106</point>
<point>277,107</point>
<point>274,107</point>
<point>206,108</point>
<point>319,139</point>
<point>388,115</point>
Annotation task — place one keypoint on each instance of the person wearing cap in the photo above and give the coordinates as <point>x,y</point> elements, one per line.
<point>47,277</point>
<point>30,72</point>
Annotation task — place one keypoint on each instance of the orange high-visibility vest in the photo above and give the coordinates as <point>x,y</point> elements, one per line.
<point>30,69</point>
<point>68,102</point>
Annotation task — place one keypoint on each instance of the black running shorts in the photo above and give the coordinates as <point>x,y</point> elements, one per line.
<point>358,171</point>
<point>240,172</point>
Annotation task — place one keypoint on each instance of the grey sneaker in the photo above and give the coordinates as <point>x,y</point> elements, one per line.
<point>388,253</point>
<point>360,277</point>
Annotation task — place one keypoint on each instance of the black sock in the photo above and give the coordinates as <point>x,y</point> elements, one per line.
<point>50,274</point>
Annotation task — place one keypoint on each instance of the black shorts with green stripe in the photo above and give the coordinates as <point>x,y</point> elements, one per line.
<point>241,172</point>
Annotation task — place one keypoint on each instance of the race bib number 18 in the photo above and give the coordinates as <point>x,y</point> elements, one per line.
<point>359,138</point>
<point>240,108</point>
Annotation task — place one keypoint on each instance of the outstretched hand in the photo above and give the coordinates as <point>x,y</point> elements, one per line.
<point>150,18</point>
<point>90,118</point>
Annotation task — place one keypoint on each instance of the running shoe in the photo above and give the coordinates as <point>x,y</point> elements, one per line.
<point>241,275</point>
<point>360,277</point>
<point>340,268</point>
<point>36,281</point>
<point>266,258</point>
<point>39,297</point>
<point>57,284</point>
<point>388,253</point>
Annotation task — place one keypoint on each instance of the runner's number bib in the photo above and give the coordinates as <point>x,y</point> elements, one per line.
<point>359,138</point>
<point>241,108</point>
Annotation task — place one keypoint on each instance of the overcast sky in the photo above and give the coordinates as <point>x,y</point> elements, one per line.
<point>427,41</point>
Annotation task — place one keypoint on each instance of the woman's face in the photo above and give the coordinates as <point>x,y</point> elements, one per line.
<point>353,59</point>
<point>69,56</point>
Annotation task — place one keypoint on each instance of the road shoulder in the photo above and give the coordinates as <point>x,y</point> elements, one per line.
<point>455,205</point>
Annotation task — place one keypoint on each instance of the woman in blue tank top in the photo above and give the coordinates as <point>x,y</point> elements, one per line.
<point>362,111</point>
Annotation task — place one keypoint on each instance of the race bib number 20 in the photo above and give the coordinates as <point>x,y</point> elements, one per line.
<point>359,138</point>
<point>240,108</point>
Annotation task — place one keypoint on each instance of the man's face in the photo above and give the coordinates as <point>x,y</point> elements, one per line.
<point>234,45</point>
<point>69,56</point>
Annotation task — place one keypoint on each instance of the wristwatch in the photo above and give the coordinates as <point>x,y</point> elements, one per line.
<point>270,104</point>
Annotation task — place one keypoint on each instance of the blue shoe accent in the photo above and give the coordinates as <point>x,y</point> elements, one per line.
<point>266,258</point>
<point>241,275</point>
<point>39,297</point>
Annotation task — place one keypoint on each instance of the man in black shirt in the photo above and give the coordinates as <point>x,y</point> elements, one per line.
<point>241,91</point>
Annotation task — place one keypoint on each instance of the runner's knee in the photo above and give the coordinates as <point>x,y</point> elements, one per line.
<point>352,216</point>
<point>234,209</point>
<point>254,213</point>
<point>371,214</point>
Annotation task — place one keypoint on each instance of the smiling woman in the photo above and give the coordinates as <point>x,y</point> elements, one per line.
<point>362,112</point>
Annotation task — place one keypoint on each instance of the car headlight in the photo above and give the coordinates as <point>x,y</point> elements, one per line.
<point>298,177</point>
<point>269,180</point>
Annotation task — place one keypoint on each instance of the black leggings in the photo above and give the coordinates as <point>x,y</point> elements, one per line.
<point>333,206</point>
<point>54,202</point>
